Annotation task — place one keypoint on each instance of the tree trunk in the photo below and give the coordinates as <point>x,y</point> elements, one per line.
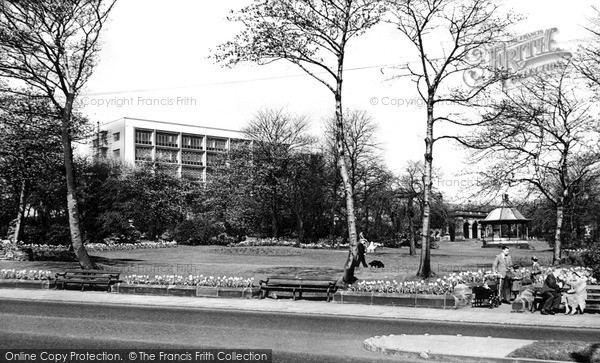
<point>558,232</point>
<point>300,228</point>
<point>333,204</point>
<point>339,135</point>
<point>72,207</point>
<point>366,207</point>
<point>274,229</point>
<point>19,224</point>
<point>411,228</point>
<point>425,264</point>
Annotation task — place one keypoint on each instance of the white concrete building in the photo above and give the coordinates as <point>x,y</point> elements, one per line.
<point>189,149</point>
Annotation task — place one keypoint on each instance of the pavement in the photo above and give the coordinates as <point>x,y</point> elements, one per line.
<point>440,347</point>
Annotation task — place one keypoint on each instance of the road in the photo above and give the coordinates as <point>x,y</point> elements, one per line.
<point>293,337</point>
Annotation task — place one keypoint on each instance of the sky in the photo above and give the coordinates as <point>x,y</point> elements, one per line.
<point>154,64</point>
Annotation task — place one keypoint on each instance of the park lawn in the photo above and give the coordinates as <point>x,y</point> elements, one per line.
<point>259,262</point>
<point>559,350</point>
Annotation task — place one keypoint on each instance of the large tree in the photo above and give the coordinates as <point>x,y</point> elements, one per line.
<point>589,54</point>
<point>362,158</point>
<point>51,47</point>
<point>29,148</point>
<point>544,136</point>
<point>445,35</point>
<point>313,35</point>
<point>276,136</point>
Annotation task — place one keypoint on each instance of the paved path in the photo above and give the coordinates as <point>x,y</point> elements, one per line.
<point>435,344</point>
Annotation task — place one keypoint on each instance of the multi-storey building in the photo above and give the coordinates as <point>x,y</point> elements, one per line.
<point>188,149</point>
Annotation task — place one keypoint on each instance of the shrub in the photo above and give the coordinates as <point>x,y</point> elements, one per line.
<point>198,231</point>
<point>118,229</point>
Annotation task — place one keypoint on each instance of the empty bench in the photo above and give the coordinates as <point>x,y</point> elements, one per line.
<point>297,285</point>
<point>87,277</point>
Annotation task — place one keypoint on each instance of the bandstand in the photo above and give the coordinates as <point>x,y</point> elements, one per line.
<point>505,226</point>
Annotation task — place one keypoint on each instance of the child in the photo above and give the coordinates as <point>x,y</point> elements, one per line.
<point>536,269</point>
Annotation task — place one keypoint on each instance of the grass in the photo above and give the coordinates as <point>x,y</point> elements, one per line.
<point>258,262</point>
<point>569,351</point>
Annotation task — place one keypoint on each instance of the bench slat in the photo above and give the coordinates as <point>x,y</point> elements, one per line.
<point>296,284</point>
<point>87,277</point>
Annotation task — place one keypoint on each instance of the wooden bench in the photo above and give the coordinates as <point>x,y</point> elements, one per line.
<point>592,303</point>
<point>87,277</point>
<point>297,285</point>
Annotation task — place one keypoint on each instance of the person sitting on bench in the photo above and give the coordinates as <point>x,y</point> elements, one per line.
<point>551,292</point>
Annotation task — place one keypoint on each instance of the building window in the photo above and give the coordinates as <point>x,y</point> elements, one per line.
<point>143,137</point>
<point>166,155</point>
<point>116,136</point>
<point>191,142</point>
<point>164,139</point>
<point>191,158</point>
<point>117,154</point>
<point>191,173</point>
<point>143,153</point>
<point>215,144</point>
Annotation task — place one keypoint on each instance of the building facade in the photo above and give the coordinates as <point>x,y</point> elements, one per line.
<point>188,149</point>
<point>465,224</point>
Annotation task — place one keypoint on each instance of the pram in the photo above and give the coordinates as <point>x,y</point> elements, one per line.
<point>486,296</point>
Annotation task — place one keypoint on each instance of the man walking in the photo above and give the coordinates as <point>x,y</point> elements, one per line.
<point>502,264</point>
<point>361,251</point>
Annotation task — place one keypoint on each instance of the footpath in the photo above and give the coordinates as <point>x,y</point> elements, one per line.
<point>435,347</point>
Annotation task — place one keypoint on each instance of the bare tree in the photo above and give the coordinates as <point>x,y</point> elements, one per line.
<point>543,136</point>
<point>411,187</point>
<point>277,135</point>
<point>51,46</point>
<point>313,35</point>
<point>360,152</point>
<point>465,28</point>
<point>589,64</point>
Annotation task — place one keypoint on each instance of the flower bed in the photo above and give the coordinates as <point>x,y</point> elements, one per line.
<point>256,251</point>
<point>49,250</point>
<point>191,280</point>
<point>269,242</point>
<point>26,274</point>
<point>26,279</point>
<point>446,284</point>
<point>177,285</point>
<point>96,247</point>
<point>257,242</point>
<point>324,246</point>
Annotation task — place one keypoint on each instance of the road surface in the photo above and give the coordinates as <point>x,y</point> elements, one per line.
<point>293,337</point>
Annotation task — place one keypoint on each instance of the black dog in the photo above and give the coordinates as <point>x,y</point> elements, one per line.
<point>376,264</point>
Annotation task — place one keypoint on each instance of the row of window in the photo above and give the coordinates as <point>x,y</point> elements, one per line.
<point>168,156</point>
<point>144,137</point>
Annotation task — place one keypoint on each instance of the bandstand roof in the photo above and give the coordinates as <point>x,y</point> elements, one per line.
<point>504,214</point>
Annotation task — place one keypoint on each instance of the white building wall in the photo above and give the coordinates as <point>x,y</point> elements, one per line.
<point>126,144</point>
